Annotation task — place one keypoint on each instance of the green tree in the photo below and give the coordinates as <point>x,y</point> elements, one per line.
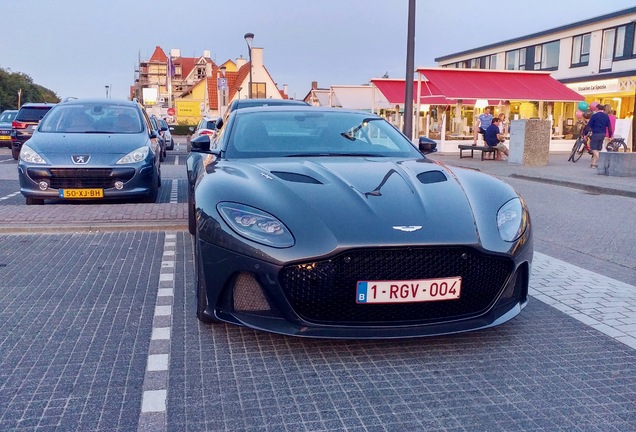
<point>12,82</point>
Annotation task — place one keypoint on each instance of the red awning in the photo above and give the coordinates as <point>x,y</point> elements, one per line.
<point>497,84</point>
<point>393,91</point>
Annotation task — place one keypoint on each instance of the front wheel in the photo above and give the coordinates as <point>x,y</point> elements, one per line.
<point>577,150</point>
<point>34,201</point>
<point>202,297</point>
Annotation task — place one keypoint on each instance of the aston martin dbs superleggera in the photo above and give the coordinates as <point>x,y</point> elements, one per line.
<point>331,223</point>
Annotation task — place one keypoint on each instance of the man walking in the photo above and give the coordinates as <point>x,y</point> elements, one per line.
<point>599,126</point>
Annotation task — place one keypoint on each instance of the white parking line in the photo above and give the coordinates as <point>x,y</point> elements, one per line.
<point>11,195</point>
<point>601,302</point>
<point>153,415</point>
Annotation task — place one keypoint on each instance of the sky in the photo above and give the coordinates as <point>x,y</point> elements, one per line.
<point>77,47</point>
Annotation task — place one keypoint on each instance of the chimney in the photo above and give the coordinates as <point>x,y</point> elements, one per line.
<point>206,53</point>
<point>285,88</point>
<point>175,52</point>
<point>240,62</point>
<point>257,58</point>
<point>314,85</point>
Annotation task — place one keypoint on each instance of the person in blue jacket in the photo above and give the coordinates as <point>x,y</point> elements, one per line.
<point>494,138</point>
<point>599,125</point>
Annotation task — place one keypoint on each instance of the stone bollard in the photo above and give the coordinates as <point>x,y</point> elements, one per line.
<point>529,142</point>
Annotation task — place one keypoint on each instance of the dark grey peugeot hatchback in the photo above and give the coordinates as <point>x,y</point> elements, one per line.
<point>95,149</point>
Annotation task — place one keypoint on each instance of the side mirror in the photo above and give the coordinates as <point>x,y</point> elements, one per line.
<point>219,123</point>
<point>191,128</point>
<point>171,128</point>
<point>153,134</point>
<point>200,144</point>
<point>427,145</point>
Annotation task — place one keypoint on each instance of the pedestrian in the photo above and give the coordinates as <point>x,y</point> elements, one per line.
<point>612,116</point>
<point>502,123</point>
<point>494,138</point>
<point>599,126</point>
<point>482,123</point>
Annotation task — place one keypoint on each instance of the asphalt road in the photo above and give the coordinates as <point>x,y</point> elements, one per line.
<point>94,326</point>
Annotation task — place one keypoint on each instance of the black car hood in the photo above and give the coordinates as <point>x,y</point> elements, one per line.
<point>353,202</point>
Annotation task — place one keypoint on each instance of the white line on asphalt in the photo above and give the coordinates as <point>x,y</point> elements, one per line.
<point>11,195</point>
<point>153,406</point>
<point>174,192</point>
<point>606,304</point>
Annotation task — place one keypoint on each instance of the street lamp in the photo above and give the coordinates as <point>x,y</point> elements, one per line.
<point>107,87</point>
<point>249,37</point>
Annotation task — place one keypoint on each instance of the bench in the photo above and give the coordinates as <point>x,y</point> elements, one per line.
<point>485,150</point>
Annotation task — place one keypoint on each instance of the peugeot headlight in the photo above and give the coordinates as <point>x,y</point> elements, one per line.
<point>28,155</point>
<point>256,225</point>
<point>512,220</point>
<point>134,156</point>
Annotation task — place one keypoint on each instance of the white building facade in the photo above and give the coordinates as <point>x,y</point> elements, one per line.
<point>595,57</point>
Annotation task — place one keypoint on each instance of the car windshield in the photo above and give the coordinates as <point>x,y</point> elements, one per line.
<point>7,116</point>
<point>92,118</point>
<point>306,133</point>
<point>32,114</point>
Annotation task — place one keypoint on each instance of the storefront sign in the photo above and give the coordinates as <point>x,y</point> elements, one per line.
<point>188,108</point>
<point>595,87</point>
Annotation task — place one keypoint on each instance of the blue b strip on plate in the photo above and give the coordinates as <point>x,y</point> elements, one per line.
<point>362,292</point>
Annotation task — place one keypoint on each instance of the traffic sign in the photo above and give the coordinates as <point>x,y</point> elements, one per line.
<point>170,111</point>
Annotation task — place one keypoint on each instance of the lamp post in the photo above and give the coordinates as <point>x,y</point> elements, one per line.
<point>221,87</point>
<point>107,88</point>
<point>249,37</point>
<point>410,55</point>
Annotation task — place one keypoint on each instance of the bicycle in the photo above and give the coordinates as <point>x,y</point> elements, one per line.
<point>580,146</point>
<point>615,144</point>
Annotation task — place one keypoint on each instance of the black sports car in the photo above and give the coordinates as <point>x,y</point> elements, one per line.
<point>331,223</point>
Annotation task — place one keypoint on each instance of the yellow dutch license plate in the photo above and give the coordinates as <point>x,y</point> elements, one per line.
<point>82,193</point>
<point>5,137</point>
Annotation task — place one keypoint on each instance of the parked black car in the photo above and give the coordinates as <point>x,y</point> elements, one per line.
<point>24,123</point>
<point>6,118</point>
<point>324,222</point>
<point>156,124</point>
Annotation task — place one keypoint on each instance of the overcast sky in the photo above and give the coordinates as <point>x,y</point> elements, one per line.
<point>77,47</point>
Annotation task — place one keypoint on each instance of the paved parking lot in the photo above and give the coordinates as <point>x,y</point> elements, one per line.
<point>87,318</point>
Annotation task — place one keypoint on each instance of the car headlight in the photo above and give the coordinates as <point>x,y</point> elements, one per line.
<point>512,219</point>
<point>135,156</point>
<point>27,154</point>
<point>256,225</point>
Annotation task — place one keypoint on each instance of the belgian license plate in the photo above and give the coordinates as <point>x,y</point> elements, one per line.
<point>82,193</point>
<point>409,291</point>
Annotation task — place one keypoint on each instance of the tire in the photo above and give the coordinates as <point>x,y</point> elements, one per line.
<point>34,201</point>
<point>15,153</point>
<point>202,298</point>
<point>192,223</point>
<point>577,150</point>
<point>154,191</point>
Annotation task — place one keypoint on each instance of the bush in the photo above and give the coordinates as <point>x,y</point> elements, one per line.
<point>182,129</point>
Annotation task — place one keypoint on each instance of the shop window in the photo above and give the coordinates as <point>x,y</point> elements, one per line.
<point>581,50</point>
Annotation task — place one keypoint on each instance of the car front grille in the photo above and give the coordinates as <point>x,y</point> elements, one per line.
<point>325,291</point>
<point>80,178</point>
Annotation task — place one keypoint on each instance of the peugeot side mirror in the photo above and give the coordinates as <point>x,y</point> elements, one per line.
<point>200,144</point>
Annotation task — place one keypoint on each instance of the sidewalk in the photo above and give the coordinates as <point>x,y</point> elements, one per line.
<point>559,171</point>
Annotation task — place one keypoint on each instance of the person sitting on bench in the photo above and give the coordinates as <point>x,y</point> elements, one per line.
<point>483,121</point>
<point>494,138</point>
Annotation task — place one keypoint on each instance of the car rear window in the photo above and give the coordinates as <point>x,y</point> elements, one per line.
<point>7,116</point>
<point>210,124</point>
<point>32,114</point>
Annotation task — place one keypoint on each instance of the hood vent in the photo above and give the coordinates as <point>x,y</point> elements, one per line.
<point>432,177</point>
<point>295,177</point>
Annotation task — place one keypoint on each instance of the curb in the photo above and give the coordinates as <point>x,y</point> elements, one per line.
<point>95,227</point>
<point>584,187</point>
